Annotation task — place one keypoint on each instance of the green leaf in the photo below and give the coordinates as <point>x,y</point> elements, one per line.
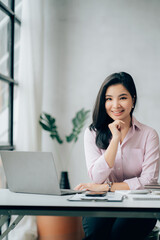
<point>45,127</point>
<point>55,136</point>
<point>70,137</point>
<point>78,122</point>
<point>75,122</point>
<point>59,140</point>
<point>48,123</point>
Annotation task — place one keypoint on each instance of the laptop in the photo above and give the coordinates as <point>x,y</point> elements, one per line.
<point>32,172</point>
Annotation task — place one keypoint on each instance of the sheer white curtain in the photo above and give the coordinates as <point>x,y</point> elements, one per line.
<point>30,76</point>
<point>29,96</point>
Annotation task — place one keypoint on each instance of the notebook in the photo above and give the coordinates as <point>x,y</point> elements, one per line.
<point>155,186</point>
<point>32,172</point>
<point>142,194</point>
<point>109,197</point>
<point>146,197</point>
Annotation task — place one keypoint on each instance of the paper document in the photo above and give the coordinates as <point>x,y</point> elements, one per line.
<point>139,194</point>
<point>110,197</point>
<point>153,186</point>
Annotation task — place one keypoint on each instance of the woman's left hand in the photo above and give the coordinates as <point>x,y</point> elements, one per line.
<point>92,187</point>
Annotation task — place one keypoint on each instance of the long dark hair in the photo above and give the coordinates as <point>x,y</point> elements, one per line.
<point>100,118</point>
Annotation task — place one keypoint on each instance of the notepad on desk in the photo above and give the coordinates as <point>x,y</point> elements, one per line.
<point>149,196</point>
<point>143,194</point>
<point>153,186</point>
<point>109,197</point>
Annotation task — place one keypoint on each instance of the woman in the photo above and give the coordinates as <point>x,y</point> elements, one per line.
<point>121,154</point>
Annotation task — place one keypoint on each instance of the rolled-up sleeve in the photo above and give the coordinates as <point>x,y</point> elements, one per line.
<point>98,169</point>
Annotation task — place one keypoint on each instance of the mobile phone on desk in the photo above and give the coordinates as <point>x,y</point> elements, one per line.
<point>95,194</point>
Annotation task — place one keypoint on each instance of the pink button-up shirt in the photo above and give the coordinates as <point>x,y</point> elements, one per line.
<point>137,159</point>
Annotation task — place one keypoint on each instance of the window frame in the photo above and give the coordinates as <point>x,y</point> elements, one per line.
<point>14,19</point>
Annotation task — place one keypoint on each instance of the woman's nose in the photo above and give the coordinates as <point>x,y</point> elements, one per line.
<point>116,104</point>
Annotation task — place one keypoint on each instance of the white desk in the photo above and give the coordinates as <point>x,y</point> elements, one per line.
<point>32,204</point>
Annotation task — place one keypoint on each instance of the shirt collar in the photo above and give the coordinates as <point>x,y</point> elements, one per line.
<point>136,124</point>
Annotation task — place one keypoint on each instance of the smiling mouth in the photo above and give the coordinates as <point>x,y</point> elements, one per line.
<point>117,112</point>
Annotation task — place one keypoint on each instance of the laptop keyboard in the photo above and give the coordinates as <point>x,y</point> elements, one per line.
<point>70,191</point>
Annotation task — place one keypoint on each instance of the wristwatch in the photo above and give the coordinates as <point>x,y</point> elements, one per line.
<point>109,185</point>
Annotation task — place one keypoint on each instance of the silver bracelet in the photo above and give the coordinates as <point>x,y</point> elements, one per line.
<point>109,185</point>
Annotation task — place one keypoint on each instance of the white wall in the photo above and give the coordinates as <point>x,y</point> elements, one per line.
<point>85,41</point>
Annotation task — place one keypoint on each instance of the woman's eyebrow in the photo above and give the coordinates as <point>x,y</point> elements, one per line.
<point>107,95</point>
<point>123,94</point>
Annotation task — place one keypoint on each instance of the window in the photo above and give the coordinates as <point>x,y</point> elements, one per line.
<point>10,22</point>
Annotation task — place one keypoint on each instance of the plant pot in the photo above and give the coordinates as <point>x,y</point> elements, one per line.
<point>59,228</point>
<point>64,181</point>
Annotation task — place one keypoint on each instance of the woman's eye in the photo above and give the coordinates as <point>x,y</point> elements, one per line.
<point>108,99</point>
<point>123,98</point>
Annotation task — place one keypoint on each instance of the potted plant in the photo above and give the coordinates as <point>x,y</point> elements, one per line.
<point>66,228</point>
<point>48,123</point>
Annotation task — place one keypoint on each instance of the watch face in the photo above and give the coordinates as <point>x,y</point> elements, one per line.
<point>109,185</point>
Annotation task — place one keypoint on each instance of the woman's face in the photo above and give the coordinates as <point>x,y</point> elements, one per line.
<point>118,103</point>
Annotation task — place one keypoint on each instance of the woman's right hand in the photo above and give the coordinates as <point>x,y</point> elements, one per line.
<point>116,129</point>
<point>92,187</point>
